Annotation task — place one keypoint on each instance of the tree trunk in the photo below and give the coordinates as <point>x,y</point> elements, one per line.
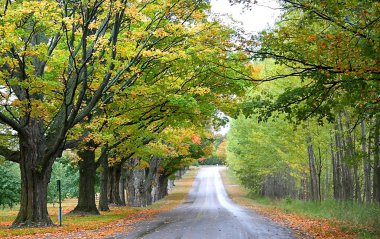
<point>140,182</point>
<point>122,186</point>
<point>87,176</point>
<point>114,193</point>
<point>162,186</point>
<point>347,181</point>
<point>35,175</point>
<point>350,152</point>
<point>366,163</point>
<point>314,182</point>
<point>336,185</point>
<point>376,160</point>
<point>103,199</point>
<point>149,178</point>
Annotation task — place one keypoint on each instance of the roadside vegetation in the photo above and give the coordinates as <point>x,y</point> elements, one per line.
<point>309,219</point>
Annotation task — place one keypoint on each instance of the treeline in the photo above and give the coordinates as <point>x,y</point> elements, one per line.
<point>311,162</point>
<point>313,119</point>
<point>130,88</point>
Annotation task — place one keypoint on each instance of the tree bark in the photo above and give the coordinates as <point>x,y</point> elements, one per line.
<point>122,186</point>
<point>347,181</point>
<point>140,182</point>
<point>103,199</point>
<point>162,186</point>
<point>314,180</point>
<point>114,193</point>
<point>87,176</point>
<point>35,172</point>
<point>376,160</point>
<point>366,163</point>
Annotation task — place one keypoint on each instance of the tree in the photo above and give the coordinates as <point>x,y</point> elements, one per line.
<point>332,47</point>
<point>9,184</point>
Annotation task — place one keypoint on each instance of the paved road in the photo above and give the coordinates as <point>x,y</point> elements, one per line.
<point>208,213</point>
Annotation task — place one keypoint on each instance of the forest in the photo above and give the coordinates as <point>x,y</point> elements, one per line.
<point>117,98</point>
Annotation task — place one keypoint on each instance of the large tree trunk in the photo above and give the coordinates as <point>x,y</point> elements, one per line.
<point>122,186</point>
<point>130,181</point>
<point>162,187</point>
<point>113,192</point>
<point>87,176</point>
<point>150,175</point>
<point>103,199</point>
<point>140,183</point>
<point>35,175</point>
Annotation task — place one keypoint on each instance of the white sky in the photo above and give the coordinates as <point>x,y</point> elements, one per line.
<point>255,20</point>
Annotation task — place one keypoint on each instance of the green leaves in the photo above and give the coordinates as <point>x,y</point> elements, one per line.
<point>9,184</point>
<point>332,48</point>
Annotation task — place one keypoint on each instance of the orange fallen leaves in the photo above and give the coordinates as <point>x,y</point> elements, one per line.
<point>318,228</point>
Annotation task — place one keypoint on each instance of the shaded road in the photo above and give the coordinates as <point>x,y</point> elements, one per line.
<point>208,213</point>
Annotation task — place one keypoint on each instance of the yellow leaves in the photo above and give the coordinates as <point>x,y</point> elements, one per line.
<point>200,90</point>
<point>94,25</point>
<point>160,32</point>
<point>153,52</point>
<point>133,13</point>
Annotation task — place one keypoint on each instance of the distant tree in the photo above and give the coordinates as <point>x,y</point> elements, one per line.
<point>9,184</point>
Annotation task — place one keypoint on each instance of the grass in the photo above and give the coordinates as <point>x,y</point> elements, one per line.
<point>357,214</point>
<point>356,220</point>
<point>107,220</point>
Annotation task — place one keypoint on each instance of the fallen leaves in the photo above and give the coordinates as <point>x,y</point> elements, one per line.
<point>118,220</point>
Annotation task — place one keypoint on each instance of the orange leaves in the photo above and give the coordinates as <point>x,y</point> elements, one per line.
<point>305,226</point>
<point>312,38</point>
<point>195,139</point>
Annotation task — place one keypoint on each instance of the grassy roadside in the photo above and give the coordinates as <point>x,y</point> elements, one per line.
<point>108,223</point>
<point>308,219</point>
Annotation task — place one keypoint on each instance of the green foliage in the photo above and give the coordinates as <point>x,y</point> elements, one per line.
<point>332,47</point>
<point>257,150</point>
<point>67,171</point>
<point>9,184</point>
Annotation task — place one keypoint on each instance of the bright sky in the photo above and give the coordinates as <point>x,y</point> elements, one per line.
<point>253,20</point>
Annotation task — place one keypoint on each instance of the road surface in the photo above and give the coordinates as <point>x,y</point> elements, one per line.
<point>208,213</point>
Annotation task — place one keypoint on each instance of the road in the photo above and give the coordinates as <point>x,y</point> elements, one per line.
<point>208,213</point>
